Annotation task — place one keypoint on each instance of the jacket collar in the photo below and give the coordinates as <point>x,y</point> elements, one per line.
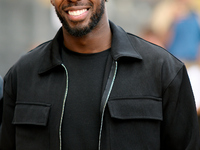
<point>121,47</point>
<point>51,53</point>
<point>121,44</point>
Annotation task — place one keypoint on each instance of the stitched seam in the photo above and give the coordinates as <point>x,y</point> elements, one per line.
<point>172,80</point>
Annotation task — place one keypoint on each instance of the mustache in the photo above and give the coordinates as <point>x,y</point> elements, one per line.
<point>76,4</point>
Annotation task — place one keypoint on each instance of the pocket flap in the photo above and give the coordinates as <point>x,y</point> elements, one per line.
<point>135,109</point>
<point>31,114</point>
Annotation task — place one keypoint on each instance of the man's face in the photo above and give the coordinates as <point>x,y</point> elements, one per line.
<point>79,17</point>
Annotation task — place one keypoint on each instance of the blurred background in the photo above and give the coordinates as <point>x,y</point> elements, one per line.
<point>172,24</point>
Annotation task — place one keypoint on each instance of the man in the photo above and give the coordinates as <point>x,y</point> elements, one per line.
<point>96,87</point>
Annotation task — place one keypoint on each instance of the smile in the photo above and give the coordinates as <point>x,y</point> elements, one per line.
<point>76,12</point>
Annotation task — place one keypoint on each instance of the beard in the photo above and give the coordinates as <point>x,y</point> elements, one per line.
<point>81,31</point>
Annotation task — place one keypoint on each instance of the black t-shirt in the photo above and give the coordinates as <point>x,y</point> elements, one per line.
<point>81,121</point>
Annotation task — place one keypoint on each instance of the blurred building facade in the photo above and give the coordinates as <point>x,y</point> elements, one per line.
<point>24,24</point>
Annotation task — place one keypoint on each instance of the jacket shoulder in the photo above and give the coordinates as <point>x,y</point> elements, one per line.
<point>35,53</point>
<point>157,59</point>
<point>33,56</point>
<point>26,65</point>
<point>29,61</point>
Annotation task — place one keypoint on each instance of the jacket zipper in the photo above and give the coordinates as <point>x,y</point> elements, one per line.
<point>63,106</point>
<point>111,78</point>
<point>113,74</point>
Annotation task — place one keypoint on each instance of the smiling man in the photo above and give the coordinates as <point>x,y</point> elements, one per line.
<point>96,87</point>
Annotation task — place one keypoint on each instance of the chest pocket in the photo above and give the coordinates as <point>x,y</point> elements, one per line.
<point>135,123</point>
<point>136,109</point>
<point>31,114</point>
<point>31,121</point>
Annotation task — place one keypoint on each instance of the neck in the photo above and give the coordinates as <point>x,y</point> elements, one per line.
<point>99,39</point>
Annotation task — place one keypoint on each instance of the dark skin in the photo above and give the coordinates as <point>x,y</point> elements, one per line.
<point>98,39</point>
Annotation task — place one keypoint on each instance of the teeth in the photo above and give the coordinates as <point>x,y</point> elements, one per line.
<point>77,12</point>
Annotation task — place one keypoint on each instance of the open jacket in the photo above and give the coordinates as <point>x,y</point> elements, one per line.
<point>147,102</point>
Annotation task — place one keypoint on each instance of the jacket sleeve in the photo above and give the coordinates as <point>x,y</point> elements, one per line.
<point>8,130</point>
<point>180,129</point>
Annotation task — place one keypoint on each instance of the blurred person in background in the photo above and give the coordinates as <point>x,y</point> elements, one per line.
<point>160,23</point>
<point>176,23</point>
<point>185,39</point>
<point>95,86</point>
<point>151,36</point>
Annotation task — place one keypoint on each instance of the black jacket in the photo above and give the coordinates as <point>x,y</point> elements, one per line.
<point>147,101</point>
